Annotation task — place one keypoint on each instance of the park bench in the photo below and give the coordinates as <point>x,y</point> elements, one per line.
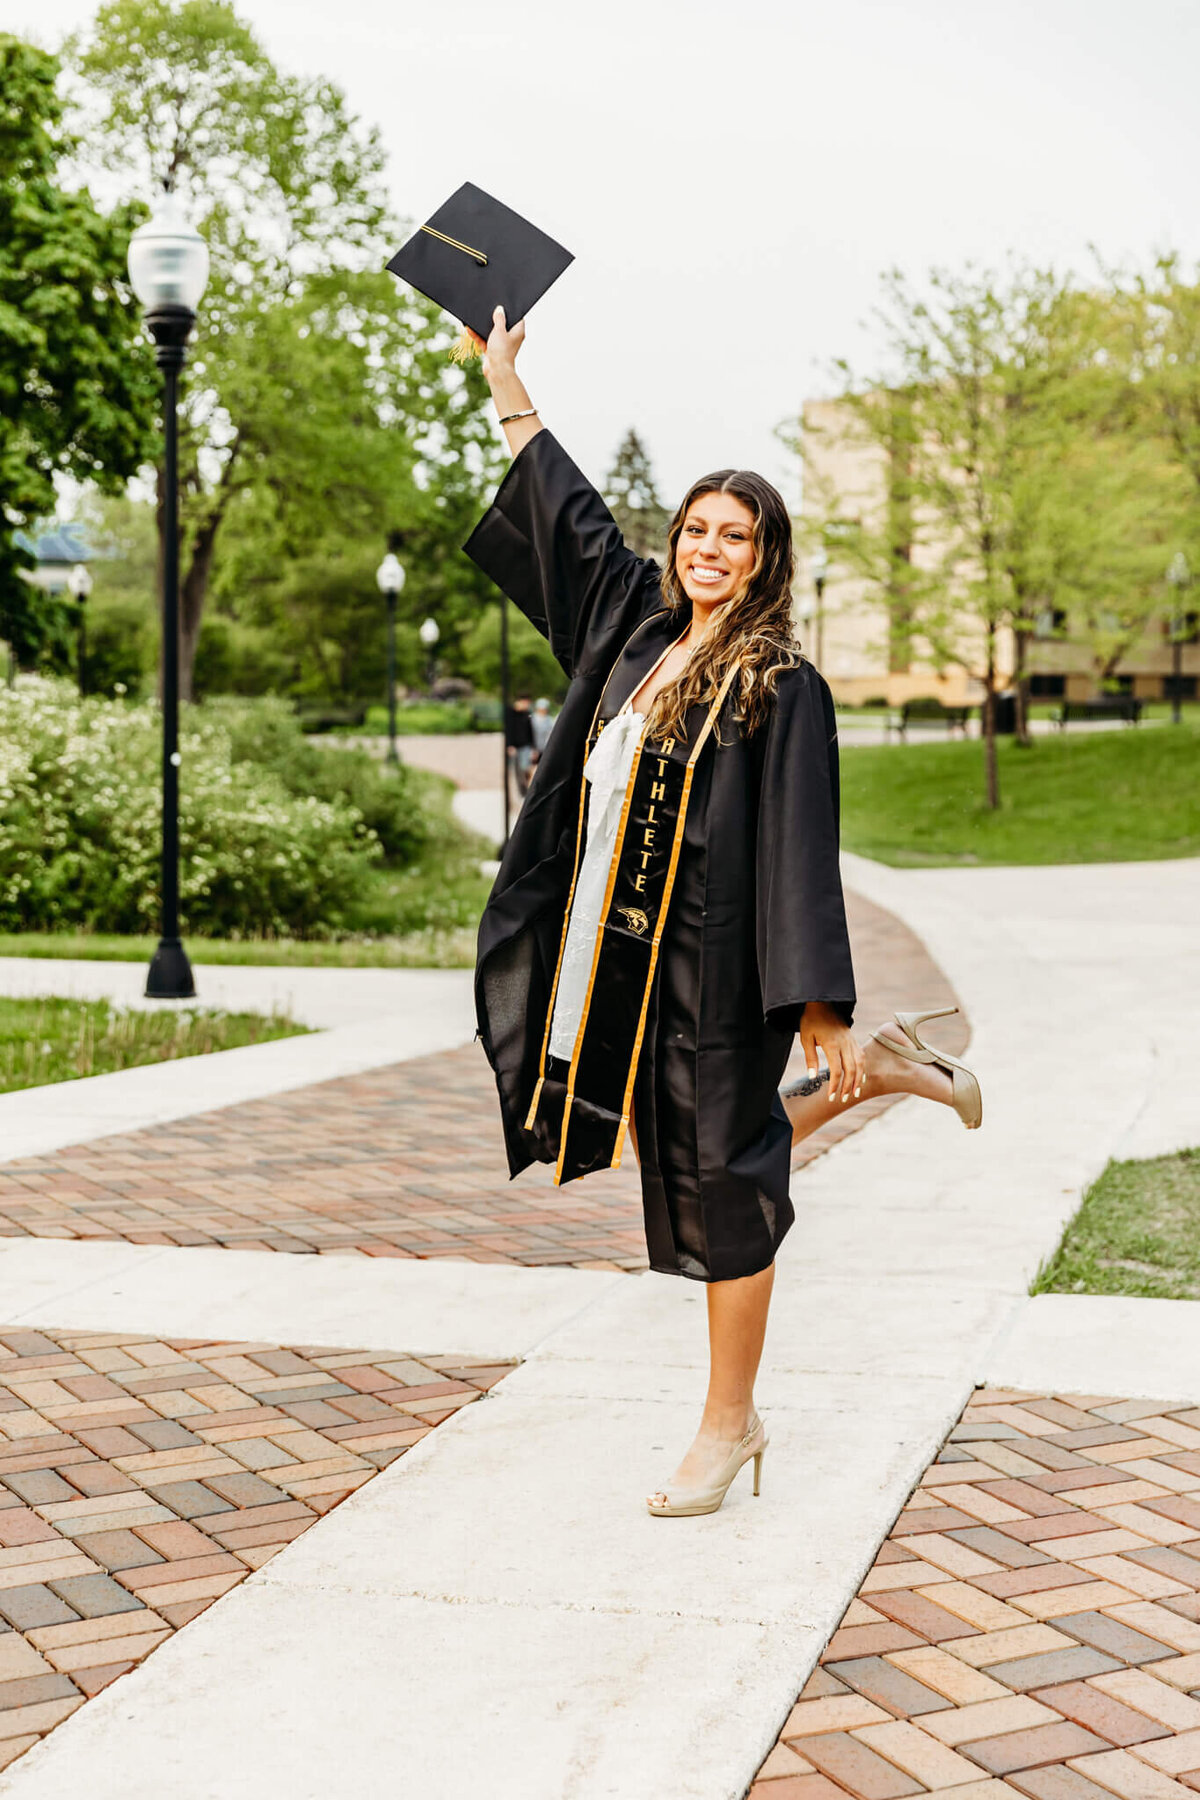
<point>1106,706</point>
<point>953,717</point>
<point>327,718</point>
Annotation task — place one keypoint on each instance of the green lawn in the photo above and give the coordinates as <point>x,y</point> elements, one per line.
<point>1137,1232</point>
<point>44,1041</point>
<point>1114,796</point>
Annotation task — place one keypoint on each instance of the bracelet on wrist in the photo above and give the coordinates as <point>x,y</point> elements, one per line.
<point>531,412</point>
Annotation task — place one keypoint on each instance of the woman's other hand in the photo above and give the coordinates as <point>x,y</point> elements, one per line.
<point>821,1028</point>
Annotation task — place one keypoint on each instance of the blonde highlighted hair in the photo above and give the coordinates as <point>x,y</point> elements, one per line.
<point>754,629</point>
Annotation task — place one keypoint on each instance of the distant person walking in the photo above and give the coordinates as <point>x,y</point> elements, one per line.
<point>668,913</point>
<point>518,739</point>
<point>543,725</point>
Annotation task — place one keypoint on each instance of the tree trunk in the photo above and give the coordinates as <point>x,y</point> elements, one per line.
<point>193,591</point>
<point>991,769</point>
<point>1021,683</point>
<point>193,582</point>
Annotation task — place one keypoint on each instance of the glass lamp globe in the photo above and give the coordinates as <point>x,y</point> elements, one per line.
<point>429,633</point>
<point>819,563</point>
<point>390,575</point>
<point>168,259</point>
<point>79,581</point>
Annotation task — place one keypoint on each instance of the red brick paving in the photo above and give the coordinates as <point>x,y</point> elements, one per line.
<point>403,1161</point>
<point>142,1478</point>
<point>1031,1626</point>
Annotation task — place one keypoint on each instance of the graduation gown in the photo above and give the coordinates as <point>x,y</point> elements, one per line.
<point>756,926</point>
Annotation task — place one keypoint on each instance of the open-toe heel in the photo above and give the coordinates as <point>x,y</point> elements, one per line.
<point>967,1099</point>
<point>688,1503</point>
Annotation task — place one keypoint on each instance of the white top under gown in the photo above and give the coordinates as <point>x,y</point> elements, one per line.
<point>607,770</point>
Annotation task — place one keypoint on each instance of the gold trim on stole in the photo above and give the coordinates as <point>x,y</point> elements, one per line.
<point>531,1116</point>
<point>702,738</point>
<point>663,906</point>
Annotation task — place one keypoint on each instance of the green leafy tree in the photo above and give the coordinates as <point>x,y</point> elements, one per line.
<point>374,436</point>
<point>533,668</point>
<point>632,496</point>
<point>1014,485</point>
<point>318,411</point>
<point>77,383</point>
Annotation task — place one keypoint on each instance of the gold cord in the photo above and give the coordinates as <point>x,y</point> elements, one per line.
<point>454,244</point>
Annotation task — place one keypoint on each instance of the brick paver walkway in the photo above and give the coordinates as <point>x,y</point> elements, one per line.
<point>141,1479</point>
<point>403,1161</point>
<point>1032,1622</point>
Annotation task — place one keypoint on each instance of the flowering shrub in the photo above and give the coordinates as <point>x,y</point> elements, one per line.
<point>80,809</point>
<point>268,731</point>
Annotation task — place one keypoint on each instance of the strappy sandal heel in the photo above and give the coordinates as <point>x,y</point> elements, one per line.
<point>687,1503</point>
<point>967,1100</point>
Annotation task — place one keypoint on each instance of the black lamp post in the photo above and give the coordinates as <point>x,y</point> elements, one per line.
<point>390,576</point>
<point>1179,576</point>
<point>79,582</point>
<point>820,574</point>
<point>168,269</point>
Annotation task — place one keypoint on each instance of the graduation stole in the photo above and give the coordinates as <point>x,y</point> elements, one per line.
<point>588,1113</point>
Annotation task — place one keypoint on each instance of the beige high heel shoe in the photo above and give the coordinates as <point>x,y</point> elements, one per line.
<point>687,1503</point>
<point>967,1100</point>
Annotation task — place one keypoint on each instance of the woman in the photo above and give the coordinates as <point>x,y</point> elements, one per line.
<point>665,921</point>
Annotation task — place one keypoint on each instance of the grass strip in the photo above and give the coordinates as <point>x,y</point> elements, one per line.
<point>1137,1232</point>
<point>45,1040</point>
<point>1131,795</point>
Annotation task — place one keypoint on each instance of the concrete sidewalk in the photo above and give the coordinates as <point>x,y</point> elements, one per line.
<point>322,999</point>
<point>497,1612</point>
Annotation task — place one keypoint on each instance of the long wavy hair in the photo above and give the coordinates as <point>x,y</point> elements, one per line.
<point>754,629</point>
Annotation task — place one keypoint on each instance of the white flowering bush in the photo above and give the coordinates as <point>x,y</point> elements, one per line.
<point>80,811</point>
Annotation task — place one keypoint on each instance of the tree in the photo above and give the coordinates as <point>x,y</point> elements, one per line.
<point>362,429</point>
<point>317,404</point>
<point>533,667</point>
<point>77,383</point>
<point>632,497</point>
<point>1009,466</point>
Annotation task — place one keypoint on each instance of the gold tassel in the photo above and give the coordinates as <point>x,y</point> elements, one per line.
<point>466,347</point>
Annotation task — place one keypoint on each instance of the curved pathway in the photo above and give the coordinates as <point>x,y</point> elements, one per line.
<point>402,1160</point>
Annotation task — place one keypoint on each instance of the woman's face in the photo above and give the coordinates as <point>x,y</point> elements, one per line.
<point>715,549</point>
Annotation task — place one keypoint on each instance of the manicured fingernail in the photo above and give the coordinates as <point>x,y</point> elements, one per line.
<point>857,1092</point>
<point>812,1074</point>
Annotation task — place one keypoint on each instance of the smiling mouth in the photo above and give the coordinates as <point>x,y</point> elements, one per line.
<point>709,577</point>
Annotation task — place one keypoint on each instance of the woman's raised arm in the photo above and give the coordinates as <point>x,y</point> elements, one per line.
<point>508,390</point>
<point>548,540</point>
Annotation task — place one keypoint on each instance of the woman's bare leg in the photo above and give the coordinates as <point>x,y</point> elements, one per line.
<point>808,1105</point>
<point>737,1323</point>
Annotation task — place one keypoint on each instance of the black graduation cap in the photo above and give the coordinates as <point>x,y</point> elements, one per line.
<point>475,254</point>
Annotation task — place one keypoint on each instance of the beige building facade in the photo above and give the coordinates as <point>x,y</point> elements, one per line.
<point>845,629</point>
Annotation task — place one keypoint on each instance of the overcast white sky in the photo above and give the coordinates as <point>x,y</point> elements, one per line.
<point>733,174</point>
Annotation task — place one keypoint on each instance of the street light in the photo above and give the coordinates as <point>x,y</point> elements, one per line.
<point>79,582</point>
<point>819,564</point>
<point>390,576</point>
<point>168,270</point>
<point>1179,577</point>
<point>429,635</point>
